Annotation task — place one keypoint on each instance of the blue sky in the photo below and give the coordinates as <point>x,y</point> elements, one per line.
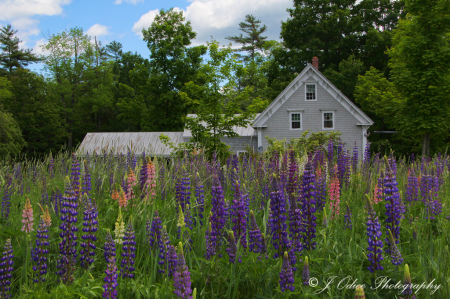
<point>123,20</point>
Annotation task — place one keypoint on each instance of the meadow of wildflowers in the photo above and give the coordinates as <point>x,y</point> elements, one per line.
<point>248,227</point>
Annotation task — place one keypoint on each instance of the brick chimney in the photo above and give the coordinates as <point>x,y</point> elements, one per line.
<point>315,62</point>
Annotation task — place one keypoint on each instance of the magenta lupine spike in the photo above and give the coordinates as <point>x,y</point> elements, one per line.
<point>182,276</point>
<point>27,216</point>
<point>90,225</point>
<point>40,252</point>
<point>67,246</point>
<point>110,286</point>
<point>6,268</point>
<point>286,275</point>
<point>128,252</point>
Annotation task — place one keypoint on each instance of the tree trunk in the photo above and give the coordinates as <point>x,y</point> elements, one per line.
<point>426,144</point>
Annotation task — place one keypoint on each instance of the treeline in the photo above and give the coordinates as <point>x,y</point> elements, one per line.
<point>361,48</point>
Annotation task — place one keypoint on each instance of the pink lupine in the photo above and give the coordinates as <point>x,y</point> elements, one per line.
<point>151,180</point>
<point>131,180</point>
<point>377,195</point>
<point>334,197</point>
<point>123,201</point>
<point>27,215</point>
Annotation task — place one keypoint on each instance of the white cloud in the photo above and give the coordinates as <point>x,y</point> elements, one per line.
<point>11,9</point>
<point>37,47</point>
<point>128,1</point>
<point>221,18</point>
<point>98,30</point>
<point>25,27</point>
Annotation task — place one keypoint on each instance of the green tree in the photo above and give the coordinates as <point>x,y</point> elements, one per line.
<point>420,63</point>
<point>11,140</point>
<point>172,65</point>
<point>216,114</point>
<point>253,41</point>
<point>114,50</point>
<point>12,57</point>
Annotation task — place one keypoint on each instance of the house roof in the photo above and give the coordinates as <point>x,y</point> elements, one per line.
<point>119,143</point>
<point>311,71</point>
<point>241,131</point>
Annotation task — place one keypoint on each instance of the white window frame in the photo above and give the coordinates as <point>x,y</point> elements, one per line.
<point>301,120</point>
<point>241,151</point>
<point>323,119</point>
<point>306,91</point>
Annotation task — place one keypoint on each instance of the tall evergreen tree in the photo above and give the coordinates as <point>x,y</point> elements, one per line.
<point>253,40</point>
<point>12,57</point>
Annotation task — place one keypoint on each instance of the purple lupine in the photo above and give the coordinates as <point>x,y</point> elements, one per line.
<point>396,256</point>
<point>393,206</point>
<point>68,244</point>
<point>348,218</point>
<point>200,198</point>
<point>163,244</point>
<point>305,273</point>
<point>374,239</point>
<point>232,248</point>
<point>321,191</point>
<point>294,211</point>
<point>109,249</point>
<point>172,260</point>
<point>412,188</point>
<point>309,207</point>
<point>286,275</point>
<point>254,235</point>
<point>75,175</point>
<point>407,289</point>
<point>6,269</point>
<point>432,203</point>
<point>143,178</point>
<point>367,154</point>
<point>219,213</point>
<point>40,252</point>
<point>128,252</point>
<point>90,224</point>
<point>355,158</point>
<point>330,155</point>
<point>238,212</point>
<point>211,240</point>
<point>182,276</point>
<point>154,231</point>
<point>110,286</point>
<point>277,219</point>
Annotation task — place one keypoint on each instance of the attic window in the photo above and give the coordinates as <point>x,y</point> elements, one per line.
<point>311,92</point>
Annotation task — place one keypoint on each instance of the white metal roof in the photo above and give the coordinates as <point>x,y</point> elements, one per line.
<point>241,131</point>
<point>119,143</point>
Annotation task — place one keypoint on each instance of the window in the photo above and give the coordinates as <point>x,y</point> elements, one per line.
<point>241,153</point>
<point>311,92</point>
<point>328,120</point>
<point>296,121</point>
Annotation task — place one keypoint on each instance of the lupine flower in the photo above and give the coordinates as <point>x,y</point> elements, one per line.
<point>151,179</point>
<point>393,207</point>
<point>359,292</point>
<point>348,218</point>
<point>412,188</point>
<point>200,196</point>
<point>86,187</point>
<point>110,285</point>
<point>305,273</point>
<point>210,242</point>
<point>75,175</point>
<point>407,290</point>
<point>238,211</point>
<point>67,246</point>
<point>123,201</point>
<point>109,249</point>
<point>131,182</point>
<point>286,274</point>
<point>120,229</point>
<point>309,207</point>
<point>6,269</point>
<point>39,253</point>
<point>182,276</point>
<point>27,216</point>
<point>163,244</point>
<point>172,260</point>
<point>232,247</point>
<point>154,231</point>
<point>375,244</point>
<point>396,257</point>
<point>128,250</point>
<point>47,218</point>
<point>89,228</point>
<point>254,235</point>
<point>277,220</point>
<point>219,213</point>
<point>115,195</point>
<point>377,195</point>
<point>334,197</point>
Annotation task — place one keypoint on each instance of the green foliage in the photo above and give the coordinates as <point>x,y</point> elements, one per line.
<point>11,140</point>
<point>217,102</point>
<point>172,65</point>
<point>420,63</point>
<point>303,145</point>
<point>12,57</point>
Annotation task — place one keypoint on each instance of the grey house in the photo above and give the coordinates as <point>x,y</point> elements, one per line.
<point>311,102</point>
